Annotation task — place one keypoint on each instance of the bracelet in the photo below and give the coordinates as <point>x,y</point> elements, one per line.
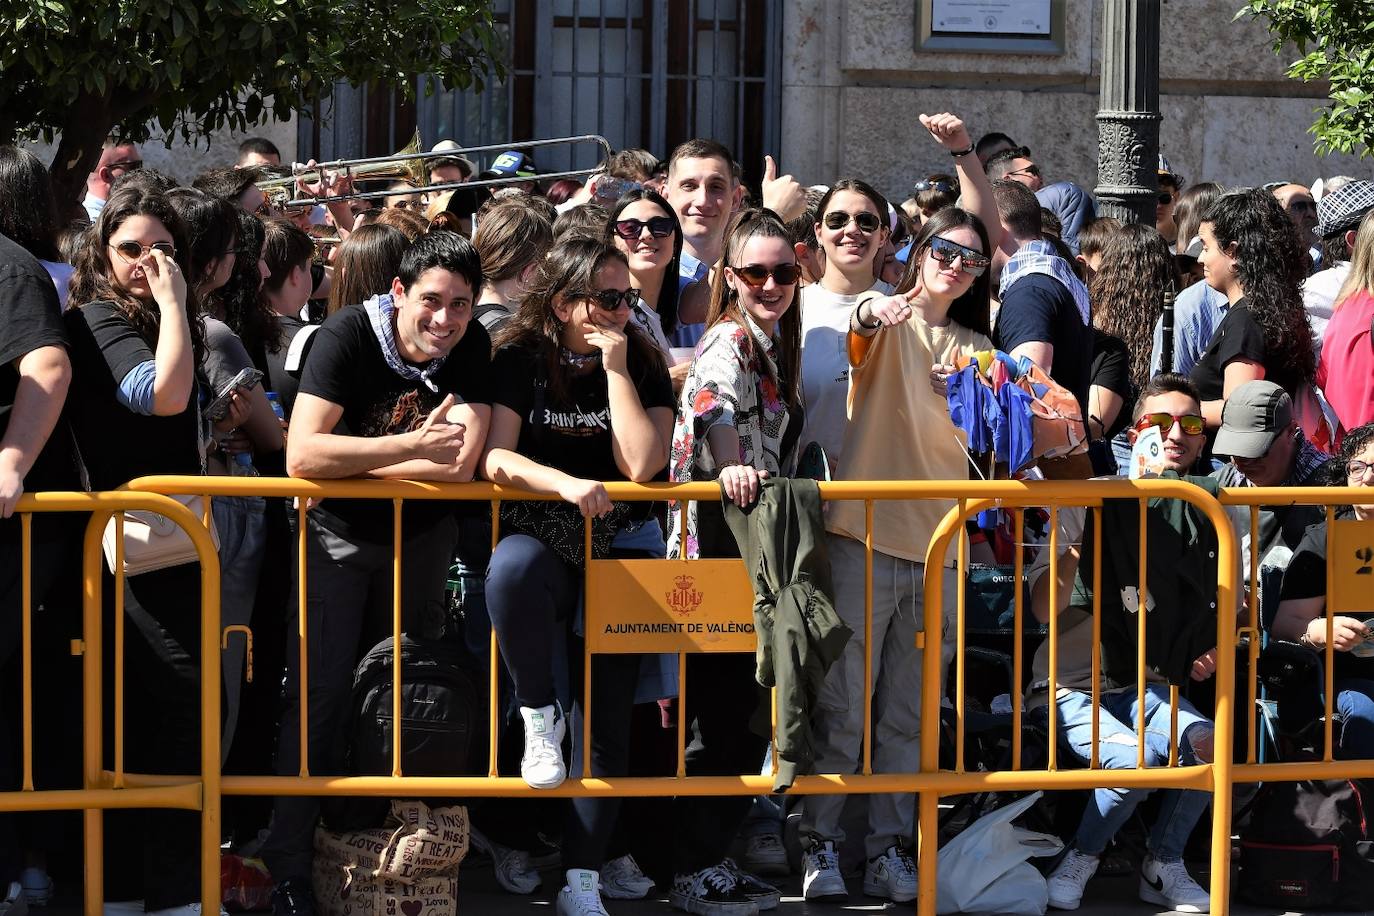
<point>956,153</point>
<point>858,317</point>
<point>1306,640</point>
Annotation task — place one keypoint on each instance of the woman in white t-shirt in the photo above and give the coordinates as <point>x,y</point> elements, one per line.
<point>851,226</point>
<point>645,228</point>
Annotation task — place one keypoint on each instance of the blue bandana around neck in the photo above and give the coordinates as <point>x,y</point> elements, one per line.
<point>1039,257</point>
<point>381,312</point>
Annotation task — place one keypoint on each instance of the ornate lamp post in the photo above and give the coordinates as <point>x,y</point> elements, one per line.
<point>1128,115</point>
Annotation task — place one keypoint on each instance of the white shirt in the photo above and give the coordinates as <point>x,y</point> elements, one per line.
<point>93,206</point>
<point>825,368</point>
<point>1318,294</point>
<point>647,320</point>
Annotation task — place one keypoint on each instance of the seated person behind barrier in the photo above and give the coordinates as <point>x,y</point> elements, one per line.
<point>1302,611</point>
<point>1181,588</point>
<point>1268,449</point>
<point>395,388</point>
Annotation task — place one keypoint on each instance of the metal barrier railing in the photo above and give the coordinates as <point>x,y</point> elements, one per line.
<point>105,789</point>
<point>205,791</point>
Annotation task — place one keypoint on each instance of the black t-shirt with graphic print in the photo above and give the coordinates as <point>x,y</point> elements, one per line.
<point>346,367</point>
<point>575,435</point>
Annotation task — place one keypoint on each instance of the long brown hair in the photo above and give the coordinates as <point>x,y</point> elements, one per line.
<point>725,306</point>
<point>569,269</point>
<point>1128,292</point>
<point>365,265</point>
<point>91,280</point>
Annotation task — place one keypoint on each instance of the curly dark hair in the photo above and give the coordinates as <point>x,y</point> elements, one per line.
<point>1137,269</point>
<point>92,279</point>
<point>1270,269</point>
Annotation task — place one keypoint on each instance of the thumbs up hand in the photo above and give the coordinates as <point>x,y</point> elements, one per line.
<point>784,196</point>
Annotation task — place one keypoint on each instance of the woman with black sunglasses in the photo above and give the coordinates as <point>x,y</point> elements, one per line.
<point>580,396</point>
<point>738,422</point>
<point>136,340</point>
<point>901,349</point>
<point>646,230</point>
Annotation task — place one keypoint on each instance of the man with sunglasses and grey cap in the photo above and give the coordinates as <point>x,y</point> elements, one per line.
<point>1267,448</point>
<point>1338,213</point>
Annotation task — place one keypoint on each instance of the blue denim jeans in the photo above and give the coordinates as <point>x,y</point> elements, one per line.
<point>1109,809</point>
<point>241,523</point>
<point>1355,703</point>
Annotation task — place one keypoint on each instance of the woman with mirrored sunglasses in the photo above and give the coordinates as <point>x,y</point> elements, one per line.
<point>644,227</point>
<point>136,339</point>
<point>901,349</point>
<point>579,396</point>
<point>1301,616</point>
<point>739,420</point>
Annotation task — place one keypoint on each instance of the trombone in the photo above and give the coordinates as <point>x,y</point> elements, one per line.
<point>409,166</point>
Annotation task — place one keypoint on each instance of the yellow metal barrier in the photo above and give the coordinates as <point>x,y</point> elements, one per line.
<point>116,789</point>
<point>102,789</point>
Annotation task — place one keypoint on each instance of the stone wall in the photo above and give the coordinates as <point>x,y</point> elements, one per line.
<point>854,82</point>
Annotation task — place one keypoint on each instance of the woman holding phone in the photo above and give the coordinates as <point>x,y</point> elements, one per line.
<point>136,338</point>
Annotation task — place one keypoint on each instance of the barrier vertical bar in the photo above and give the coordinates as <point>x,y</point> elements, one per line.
<point>1252,603</point>
<point>493,669</point>
<point>868,638</point>
<point>396,624</point>
<point>211,759</point>
<point>1142,603</point>
<point>302,612</point>
<point>1095,758</point>
<point>1018,621</point>
<point>119,652</point>
<point>682,657</point>
<point>1224,712</point>
<point>93,819</point>
<point>1328,661</point>
<point>1052,742</point>
<point>26,639</point>
<point>928,800</point>
<point>1173,725</point>
<point>587,652</point>
<point>960,671</point>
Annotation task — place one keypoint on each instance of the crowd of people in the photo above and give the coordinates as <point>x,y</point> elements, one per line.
<point>658,322</point>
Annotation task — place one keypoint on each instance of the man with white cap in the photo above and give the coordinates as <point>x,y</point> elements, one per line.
<point>1338,213</point>
<point>450,167</point>
<point>1267,448</point>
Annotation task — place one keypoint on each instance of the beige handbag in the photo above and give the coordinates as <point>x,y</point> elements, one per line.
<point>153,541</point>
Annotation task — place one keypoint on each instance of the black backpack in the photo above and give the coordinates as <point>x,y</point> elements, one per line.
<point>439,715</point>
<point>1307,845</point>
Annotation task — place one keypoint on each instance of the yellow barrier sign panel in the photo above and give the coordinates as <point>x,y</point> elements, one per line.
<point>1351,565</point>
<point>669,606</point>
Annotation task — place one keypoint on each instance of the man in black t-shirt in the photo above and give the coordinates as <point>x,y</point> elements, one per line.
<point>1044,312</point>
<point>34,455</point>
<point>396,388</point>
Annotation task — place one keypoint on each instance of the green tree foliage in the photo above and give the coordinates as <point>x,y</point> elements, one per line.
<point>86,68</point>
<point>1336,41</point>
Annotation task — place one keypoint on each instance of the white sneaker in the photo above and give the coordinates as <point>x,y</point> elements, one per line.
<point>891,875</point>
<point>37,886</point>
<point>1169,884</point>
<point>1067,881</point>
<point>542,765</point>
<point>821,878</point>
<point>13,903</point>
<point>580,897</point>
<point>512,867</point>
<point>765,855</point>
<point>623,879</point>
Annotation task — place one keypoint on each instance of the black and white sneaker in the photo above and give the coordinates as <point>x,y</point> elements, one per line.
<point>755,888</point>
<point>711,892</point>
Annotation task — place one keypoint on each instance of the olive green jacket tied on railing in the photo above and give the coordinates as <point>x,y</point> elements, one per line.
<point>782,540</point>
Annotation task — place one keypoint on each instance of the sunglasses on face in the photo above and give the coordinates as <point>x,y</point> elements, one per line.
<point>756,275</point>
<point>1031,169</point>
<point>1190,423</point>
<point>971,262</point>
<point>868,223</point>
<point>660,227</point>
<point>1301,205</point>
<point>132,251</point>
<point>943,187</point>
<point>1165,198</point>
<point>612,299</point>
